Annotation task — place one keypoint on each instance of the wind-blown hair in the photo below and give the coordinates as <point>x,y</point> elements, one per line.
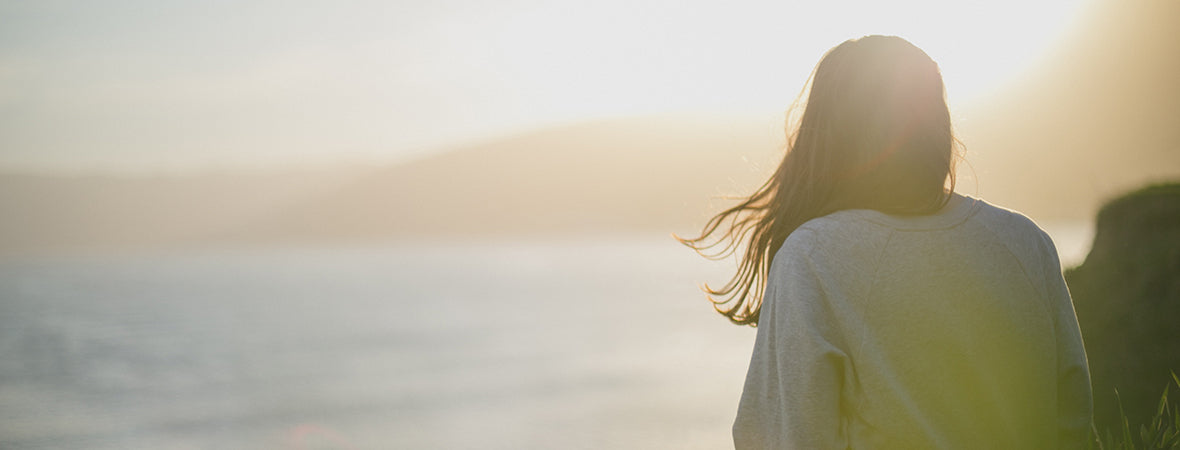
<point>875,133</point>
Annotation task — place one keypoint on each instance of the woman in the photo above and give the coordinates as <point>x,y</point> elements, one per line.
<point>891,311</point>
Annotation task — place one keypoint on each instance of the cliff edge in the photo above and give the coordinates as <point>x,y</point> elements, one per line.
<point>1127,296</point>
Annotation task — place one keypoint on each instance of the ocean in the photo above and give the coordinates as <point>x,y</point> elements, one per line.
<point>596,342</point>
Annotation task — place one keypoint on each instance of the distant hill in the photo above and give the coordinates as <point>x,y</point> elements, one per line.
<point>51,213</point>
<point>654,174</point>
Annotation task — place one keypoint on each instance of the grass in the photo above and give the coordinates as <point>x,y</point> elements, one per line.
<point>1162,432</point>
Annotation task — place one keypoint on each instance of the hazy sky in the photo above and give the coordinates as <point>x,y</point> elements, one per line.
<point>135,85</point>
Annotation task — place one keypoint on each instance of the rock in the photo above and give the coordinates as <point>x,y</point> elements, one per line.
<point>1127,296</point>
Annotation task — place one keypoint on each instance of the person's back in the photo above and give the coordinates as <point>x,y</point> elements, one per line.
<point>892,312</point>
<point>951,331</point>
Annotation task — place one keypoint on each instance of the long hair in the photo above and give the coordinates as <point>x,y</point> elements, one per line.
<point>875,133</point>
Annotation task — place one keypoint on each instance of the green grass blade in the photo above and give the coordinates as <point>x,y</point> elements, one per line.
<point>1159,411</point>
<point>1128,443</point>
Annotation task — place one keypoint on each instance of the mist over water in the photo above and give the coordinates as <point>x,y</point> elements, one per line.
<point>1072,239</point>
<point>597,342</point>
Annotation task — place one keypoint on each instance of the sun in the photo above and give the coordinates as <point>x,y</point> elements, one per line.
<point>994,43</point>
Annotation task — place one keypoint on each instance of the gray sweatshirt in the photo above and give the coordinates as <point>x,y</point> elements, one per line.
<point>947,331</point>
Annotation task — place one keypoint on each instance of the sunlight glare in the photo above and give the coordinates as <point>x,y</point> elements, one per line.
<point>643,57</point>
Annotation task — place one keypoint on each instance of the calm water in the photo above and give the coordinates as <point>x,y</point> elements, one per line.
<point>579,344</point>
<point>595,343</point>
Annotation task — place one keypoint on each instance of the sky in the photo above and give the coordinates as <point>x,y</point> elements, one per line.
<point>171,85</point>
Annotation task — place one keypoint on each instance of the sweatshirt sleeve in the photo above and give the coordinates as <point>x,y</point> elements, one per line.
<point>791,397</point>
<point>1074,396</point>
